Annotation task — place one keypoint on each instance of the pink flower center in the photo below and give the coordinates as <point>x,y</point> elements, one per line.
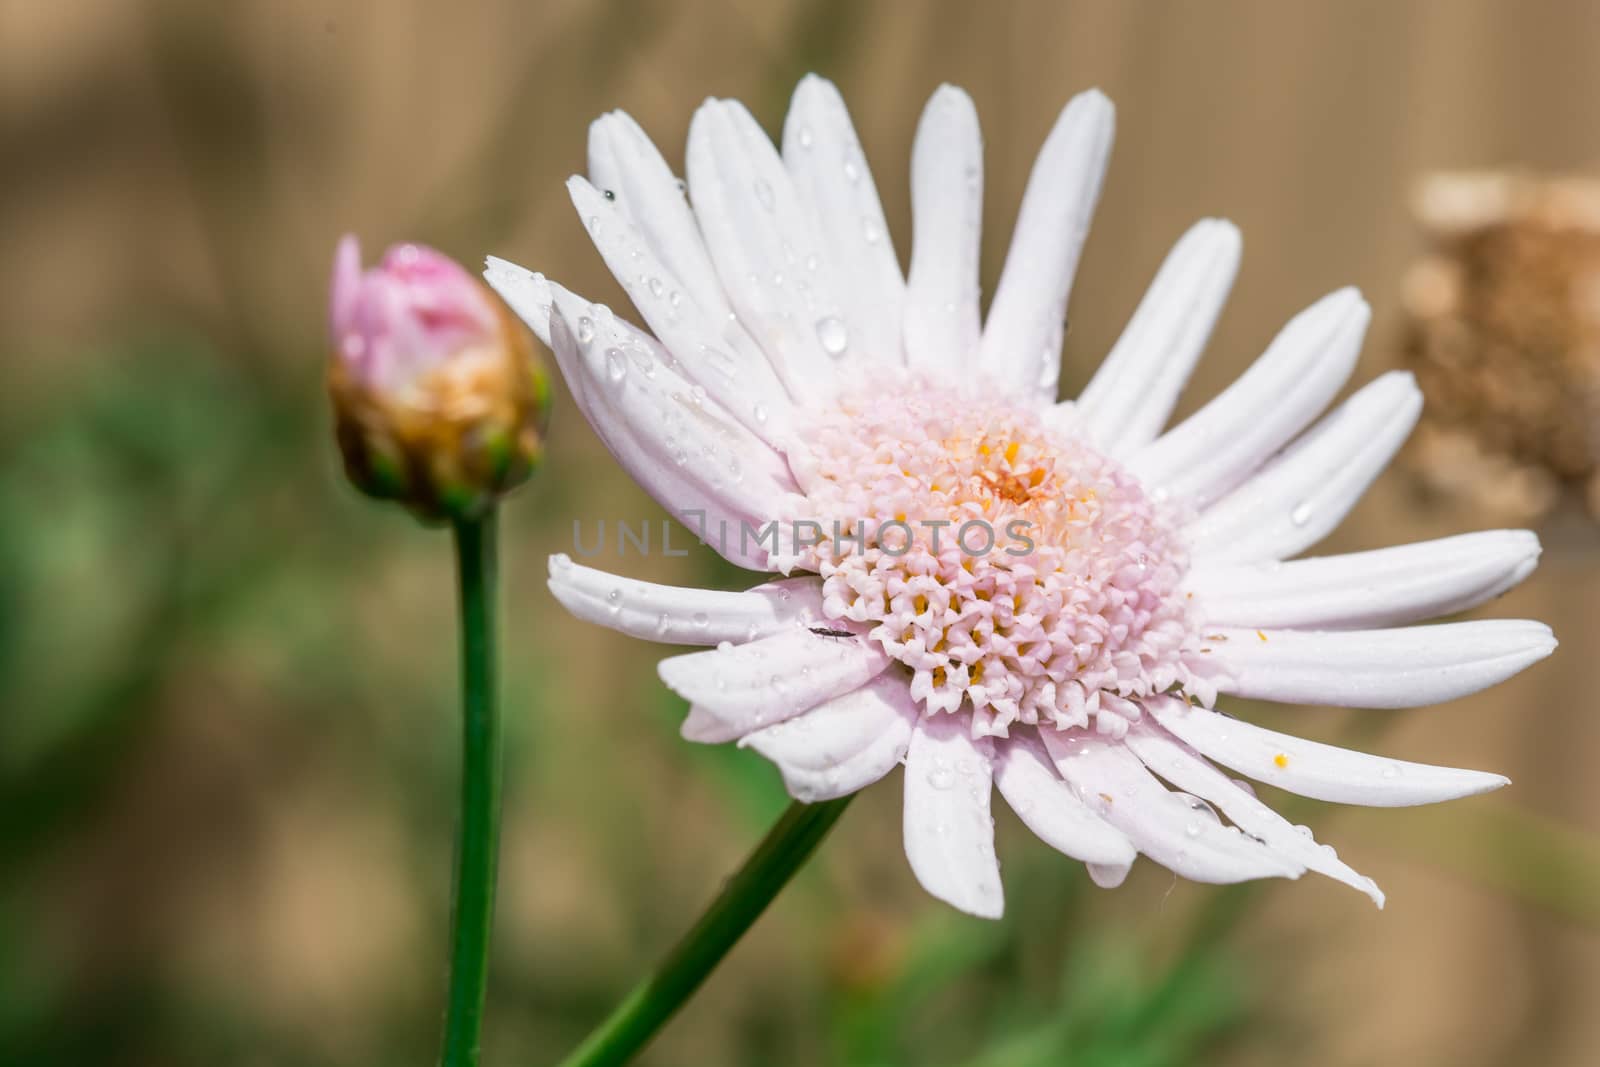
<point>1018,573</point>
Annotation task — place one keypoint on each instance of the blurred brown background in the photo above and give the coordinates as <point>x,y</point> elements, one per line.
<point>227,750</point>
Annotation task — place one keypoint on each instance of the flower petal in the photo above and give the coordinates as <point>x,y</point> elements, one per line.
<point>941,327</point>
<point>843,745</point>
<point>1312,769</point>
<point>1214,449</point>
<point>741,688</point>
<point>832,179</point>
<point>706,344</point>
<point>675,615</point>
<point>949,836</point>
<point>1047,805</point>
<point>1133,393</point>
<point>637,426</point>
<point>1178,764</point>
<point>1385,587</point>
<point>526,292</point>
<point>645,193</point>
<point>1298,499</point>
<point>1159,823</point>
<point>766,250</point>
<point>1395,668</point>
<point>1022,339</point>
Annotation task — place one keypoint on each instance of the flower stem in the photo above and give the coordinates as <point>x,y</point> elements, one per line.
<point>781,853</point>
<point>478,844</point>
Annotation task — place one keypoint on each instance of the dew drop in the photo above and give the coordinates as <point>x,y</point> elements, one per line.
<point>616,366</point>
<point>1201,808</point>
<point>662,623</point>
<point>764,194</point>
<point>656,288</point>
<point>585,329</point>
<point>805,136</point>
<point>1391,771</point>
<point>832,335</point>
<point>852,172</point>
<point>940,778</point>
<point>609,194</point>
<point>871,232</point>
<point>1301,513</point>
<point>701,620</point>
<point>760,414</point>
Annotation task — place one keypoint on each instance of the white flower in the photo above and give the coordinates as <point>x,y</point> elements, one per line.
<point>795,374</point>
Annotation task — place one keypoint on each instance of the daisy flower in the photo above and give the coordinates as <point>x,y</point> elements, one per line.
<point>999,590</point>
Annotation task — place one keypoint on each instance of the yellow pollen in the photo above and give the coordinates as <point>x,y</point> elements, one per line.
<point>1011,452</point>
<point>976,674</point>
<point>1261,635</point>
<point>920,603</point>
<point>1036,478</point>
<point>983,450</point>
<point>1281,761</point>
<point>938,676</point>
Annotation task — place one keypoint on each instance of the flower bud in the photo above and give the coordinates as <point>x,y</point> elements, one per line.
<point>439,401</point>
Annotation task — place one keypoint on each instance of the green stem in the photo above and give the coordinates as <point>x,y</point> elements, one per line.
<point>781,853</point>
<point>478,845</point>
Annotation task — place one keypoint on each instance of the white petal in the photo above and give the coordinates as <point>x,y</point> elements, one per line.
<point>635,425</point>
<point>941,326</point>
<point>949,836</point>
<point>1316,770</point>
<point>1389,586</point>
<point>624,161</point>
<point>1395,668</point>
<point>1022,339</point>
<point>1179,765</point>
<point>1133,393</point>
<point>745,687</point>
<point>526,292</point>
<point>707,347</point>
<point>1218,446</point>
<point>675,615</point>
<point>832,179</point>
<point>637,379</point>
<point>844,745</point>
<point>1298,499</point>
<point>762,241</point>
<point>1047,805</point>
<point>1117,786</point>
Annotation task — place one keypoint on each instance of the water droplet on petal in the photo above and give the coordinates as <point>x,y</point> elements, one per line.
<point>1301,513</point>
<point>871,232</point>
<point>616,366</point>
<point>805,136</point>
<point>832,335</point>
<point>701,620</point>
<point>585,329</point>
<point>764,194</point>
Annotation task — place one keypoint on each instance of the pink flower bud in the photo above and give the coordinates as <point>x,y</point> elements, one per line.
<point>439,400</point>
